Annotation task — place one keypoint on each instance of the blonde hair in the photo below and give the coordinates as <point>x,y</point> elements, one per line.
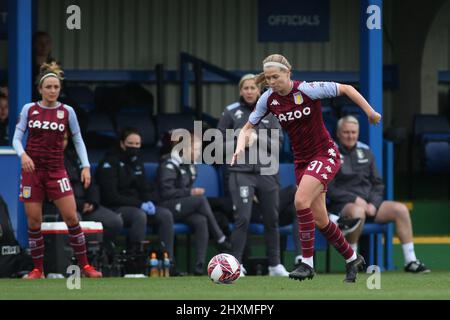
<point>347,119</point>
<point>245,77</point>
<point>278,58</point>
<point>47,70</point>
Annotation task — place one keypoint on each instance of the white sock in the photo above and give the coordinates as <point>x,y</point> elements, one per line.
<point>354,246</point>
<point>352,258</point>
<point>309,261</point>
<point>408,252</point>
<point>333,218</point>
<point>298,258</point>
<point>221,240</point>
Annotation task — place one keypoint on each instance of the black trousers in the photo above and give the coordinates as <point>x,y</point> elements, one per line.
<point>111,221</point>
<point>196,212</point>
<point>136,220</point>
<point>243,187</point>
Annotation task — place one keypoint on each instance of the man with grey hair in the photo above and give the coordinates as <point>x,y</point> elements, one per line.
<point>357,192</point>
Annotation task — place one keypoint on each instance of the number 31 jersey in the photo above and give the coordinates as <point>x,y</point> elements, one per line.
<point>300,114</point>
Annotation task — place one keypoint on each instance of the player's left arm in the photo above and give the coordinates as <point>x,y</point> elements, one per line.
<point>80,147</point>
<point>357,98</point>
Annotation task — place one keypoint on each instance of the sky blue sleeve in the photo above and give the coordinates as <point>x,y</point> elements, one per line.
<point>319,90</point>
<point>21,127</point>
<point>77,139</point>
<point>261,109</point>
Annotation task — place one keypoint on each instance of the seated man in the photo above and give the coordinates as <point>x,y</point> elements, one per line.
<point>357,192</point>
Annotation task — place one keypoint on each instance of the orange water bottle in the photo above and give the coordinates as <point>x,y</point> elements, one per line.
<point>154,272</point>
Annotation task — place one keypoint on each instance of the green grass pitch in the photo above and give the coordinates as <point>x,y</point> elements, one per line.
<point>394,285</point>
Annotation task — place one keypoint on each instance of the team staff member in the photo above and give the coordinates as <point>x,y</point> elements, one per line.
<point>88,201</point>
<point>176,176</point>
<point>357,192</point>
<point>43,173</point>
<point>245,180</point>
<point>125,189</point>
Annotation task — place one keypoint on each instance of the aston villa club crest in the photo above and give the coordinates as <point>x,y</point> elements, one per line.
<point>298,99</point>
<point>360,153</point>
<point>60,114</point>
<point>238,114</point>
<point>244,192</point>
<point>26,192</point>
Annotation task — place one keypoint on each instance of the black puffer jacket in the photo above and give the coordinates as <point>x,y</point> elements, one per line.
<point>123,181</point>
<point>357,177</point>
<point>175,179</point>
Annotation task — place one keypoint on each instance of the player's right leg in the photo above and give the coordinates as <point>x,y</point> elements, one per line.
<point>35,239</point>
<point>309,189</point>
<point>32,195</point>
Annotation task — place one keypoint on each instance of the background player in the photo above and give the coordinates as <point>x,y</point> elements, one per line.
<point>43,173</point>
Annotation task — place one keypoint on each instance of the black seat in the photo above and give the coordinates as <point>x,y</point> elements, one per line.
<point>83,95</point>
<point>169,121</point>
<point>430,143</point>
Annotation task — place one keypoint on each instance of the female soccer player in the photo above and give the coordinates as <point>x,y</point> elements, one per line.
<point>43,173</point>
<point>297,106</point>
<point>245,181</point>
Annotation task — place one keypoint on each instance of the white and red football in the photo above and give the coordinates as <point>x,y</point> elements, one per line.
<point>224,268</point>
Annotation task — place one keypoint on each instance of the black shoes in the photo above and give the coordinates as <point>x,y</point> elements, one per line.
<point>173,271</point>
<point>348,225</point>
<point>302,272</point>
<point>416,267</point>
<point>352,268</point>
<point>199,269</point>
<point>224,247</point>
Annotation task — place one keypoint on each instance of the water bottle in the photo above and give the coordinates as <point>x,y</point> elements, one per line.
<point>154,272</point>
<point>166,263</point>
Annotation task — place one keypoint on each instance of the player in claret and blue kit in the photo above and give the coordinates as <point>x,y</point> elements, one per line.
<point>43,173</point>
<point>297,106</point>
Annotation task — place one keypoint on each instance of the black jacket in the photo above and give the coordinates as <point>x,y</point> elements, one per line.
<point>123,182</point>
<point>73,167</point>
<point>235,116</point>
<point>4,140</point>
<point>175,179</point>
<point>358,177</point>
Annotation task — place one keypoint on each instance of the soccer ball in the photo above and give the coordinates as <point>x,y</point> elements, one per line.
<point>224,268</point>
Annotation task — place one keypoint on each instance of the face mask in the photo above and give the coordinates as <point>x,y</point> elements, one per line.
<point>132,152</point>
